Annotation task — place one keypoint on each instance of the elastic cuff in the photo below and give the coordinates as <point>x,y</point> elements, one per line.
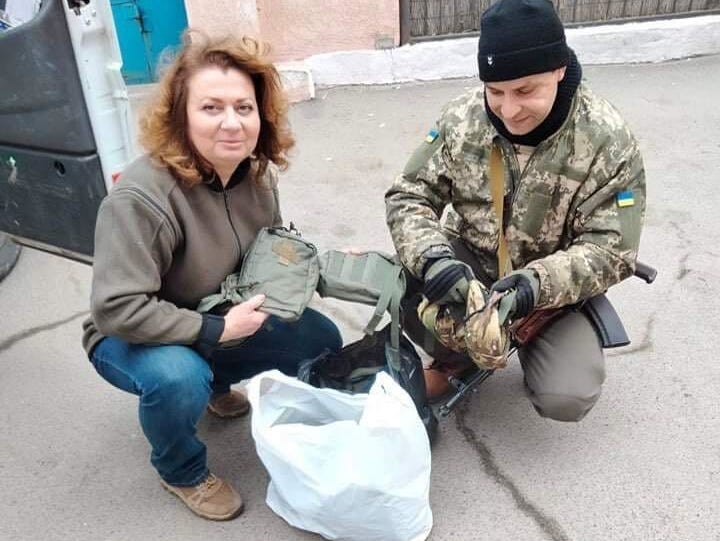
<point>433,254</point>
<point>544,294</point>
<point>210,333</point>
<point>533,279</point>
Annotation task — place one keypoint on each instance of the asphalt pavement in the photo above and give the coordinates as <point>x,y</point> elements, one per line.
<point>643,466</point>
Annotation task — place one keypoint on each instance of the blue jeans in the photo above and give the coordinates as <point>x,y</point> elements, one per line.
<point>175,383</point>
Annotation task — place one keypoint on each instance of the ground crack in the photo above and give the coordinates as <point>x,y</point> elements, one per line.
<point>27,333</point>
<point>683,270</point>
<point>547,524</point>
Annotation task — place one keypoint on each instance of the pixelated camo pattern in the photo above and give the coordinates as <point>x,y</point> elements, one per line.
<point>562,218</point>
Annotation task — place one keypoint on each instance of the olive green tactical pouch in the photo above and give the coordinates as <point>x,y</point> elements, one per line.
<point>279,264</point>
<point>372,278</point>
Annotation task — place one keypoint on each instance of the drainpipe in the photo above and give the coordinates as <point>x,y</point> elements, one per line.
<point>404,22</point>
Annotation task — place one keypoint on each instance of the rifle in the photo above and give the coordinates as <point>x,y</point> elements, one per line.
<point>612,337</point>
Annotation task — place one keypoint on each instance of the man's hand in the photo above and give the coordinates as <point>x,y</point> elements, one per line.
<point>243,319</point>
<point>525,285</point>
<point>446,281</point>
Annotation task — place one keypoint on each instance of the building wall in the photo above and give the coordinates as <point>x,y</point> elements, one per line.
<point>297,29</point>
<point>223,16</point>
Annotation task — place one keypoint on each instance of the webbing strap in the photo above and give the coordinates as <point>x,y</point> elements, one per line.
<point>370,268</point>
<point>386,295</point>
<point>361,373</point>
<point>390,296</point>
<point>394,356</point>
<point>347,265</point>
<point>231,290</point>
<point>497,191</point>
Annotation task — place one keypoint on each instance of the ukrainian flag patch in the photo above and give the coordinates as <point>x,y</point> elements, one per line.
<point>625,199</point>
<point>431,136</point>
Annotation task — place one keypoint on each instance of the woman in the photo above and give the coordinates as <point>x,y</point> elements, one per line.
<point>169,232</point>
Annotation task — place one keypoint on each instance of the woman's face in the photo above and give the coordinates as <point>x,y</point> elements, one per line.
<point>223,117</point>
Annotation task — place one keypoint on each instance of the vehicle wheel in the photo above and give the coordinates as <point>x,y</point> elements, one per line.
<point>9,252</point>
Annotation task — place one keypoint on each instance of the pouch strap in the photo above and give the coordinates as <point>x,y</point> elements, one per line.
<point>390,286</point>
<point>230,291</point>
<point>395,328</point>
<point>209,302</point>
<point>390,297</point>
<point>348,267</point>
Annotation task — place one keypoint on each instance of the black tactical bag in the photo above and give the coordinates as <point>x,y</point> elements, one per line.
<point>353,369</point>
<point>375,279</point>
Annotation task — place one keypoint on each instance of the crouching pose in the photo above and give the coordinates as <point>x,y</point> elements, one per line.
<point>176,224</point>
<point>544,189</point>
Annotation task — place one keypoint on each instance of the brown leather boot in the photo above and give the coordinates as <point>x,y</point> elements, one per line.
<point>229,405</point>
<point>437,385</point>
<point>213,499</point>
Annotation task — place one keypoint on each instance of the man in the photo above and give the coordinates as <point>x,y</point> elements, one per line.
<point>571,196</point>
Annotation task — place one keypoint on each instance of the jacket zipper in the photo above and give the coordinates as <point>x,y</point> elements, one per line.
<point>515,174</point>
<point>226,198</point>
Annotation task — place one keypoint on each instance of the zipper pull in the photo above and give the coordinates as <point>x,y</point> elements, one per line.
<point>294,230</point>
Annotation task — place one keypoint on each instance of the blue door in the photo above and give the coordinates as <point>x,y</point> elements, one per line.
<point>146,29</point>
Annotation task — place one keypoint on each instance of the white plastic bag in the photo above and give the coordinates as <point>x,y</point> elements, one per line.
<point>350,467</point>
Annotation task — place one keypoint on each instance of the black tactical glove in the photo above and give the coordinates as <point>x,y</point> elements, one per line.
<point>524,286</point>
<point>446,281</point>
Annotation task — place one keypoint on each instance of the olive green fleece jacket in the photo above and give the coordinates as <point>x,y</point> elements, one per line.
<point>160,247</point>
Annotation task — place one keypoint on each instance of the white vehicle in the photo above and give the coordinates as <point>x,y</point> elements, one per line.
<point>65,124</point>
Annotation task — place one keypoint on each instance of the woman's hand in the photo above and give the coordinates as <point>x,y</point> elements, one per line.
<point>243,319</point>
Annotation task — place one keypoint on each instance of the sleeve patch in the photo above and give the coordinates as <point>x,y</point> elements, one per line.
<point>625,199</point>
<point>431,136</point>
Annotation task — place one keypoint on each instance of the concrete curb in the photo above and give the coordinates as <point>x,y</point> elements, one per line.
<point>620,43</point>
<point>649,41</point>
<point>297,81</point>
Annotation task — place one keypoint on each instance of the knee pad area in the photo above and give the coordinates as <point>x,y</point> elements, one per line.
<point>563,408</point>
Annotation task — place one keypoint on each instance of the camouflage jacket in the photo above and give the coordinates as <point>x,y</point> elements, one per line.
<point>573,215</point>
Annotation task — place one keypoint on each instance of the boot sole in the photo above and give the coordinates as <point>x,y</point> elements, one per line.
<point>450,392</point>
<point>216,413</point>
<point>227,516</point>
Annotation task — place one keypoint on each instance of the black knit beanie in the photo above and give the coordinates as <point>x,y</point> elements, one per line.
<point>520,38</point>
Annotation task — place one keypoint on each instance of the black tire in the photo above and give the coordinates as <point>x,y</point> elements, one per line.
<point>9,252</point>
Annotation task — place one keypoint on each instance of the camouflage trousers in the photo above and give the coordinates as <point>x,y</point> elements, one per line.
<point>563,366</point>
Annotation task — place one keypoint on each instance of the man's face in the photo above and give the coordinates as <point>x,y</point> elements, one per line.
<point>522,104</point>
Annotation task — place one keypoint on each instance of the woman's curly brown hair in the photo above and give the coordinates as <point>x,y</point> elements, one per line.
<point>164,125</point>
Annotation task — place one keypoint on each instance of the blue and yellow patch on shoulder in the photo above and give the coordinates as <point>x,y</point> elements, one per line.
<point>625,199</point>
<point>431,136</point>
